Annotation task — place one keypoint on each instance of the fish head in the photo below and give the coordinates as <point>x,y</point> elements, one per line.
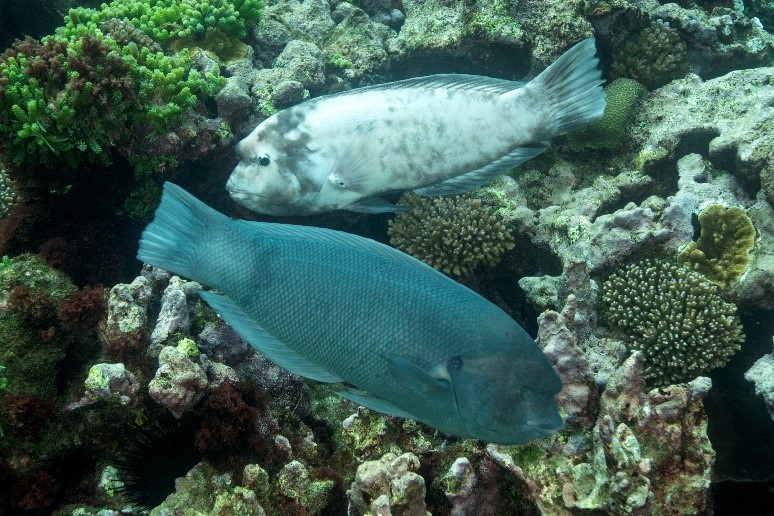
<point>273,173</point>
<point>506,399</point>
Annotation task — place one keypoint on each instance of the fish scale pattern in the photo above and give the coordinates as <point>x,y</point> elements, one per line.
<point>300,292</point>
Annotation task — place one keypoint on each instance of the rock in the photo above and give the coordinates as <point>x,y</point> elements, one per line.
<point>173,316</point>
<point>179,383</point>
<point>559,344</point>
<point>762,375</point>
<point>391,485</point>
<point>127,313</point>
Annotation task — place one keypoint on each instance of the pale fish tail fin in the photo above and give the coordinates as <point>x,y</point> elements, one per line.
<point>173,240</point>
<point>572,89</point>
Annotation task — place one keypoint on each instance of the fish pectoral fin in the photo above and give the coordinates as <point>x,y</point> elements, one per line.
<point>352,169</point>
<point>481,176</point>
<point>269,345</point>
<point>416,378</point>
<point>374,205</point>
<point>374,403</point>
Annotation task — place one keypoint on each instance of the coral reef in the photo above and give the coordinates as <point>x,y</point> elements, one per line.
<point>654,57</point>
<point>726,119</point>
<point>455,234</point>
<point>722,253</point>
<point>143,80</point>
<point>674,316</point>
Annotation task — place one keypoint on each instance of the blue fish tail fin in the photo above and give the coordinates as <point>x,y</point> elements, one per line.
<point>178,230</point>
<point>571,88</point>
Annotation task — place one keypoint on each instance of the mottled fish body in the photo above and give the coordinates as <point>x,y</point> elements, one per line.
<point>436,135</point>
<point>399,336</point>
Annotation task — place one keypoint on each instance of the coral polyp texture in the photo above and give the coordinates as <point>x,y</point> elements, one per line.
<point>8,196</point>
<point>674,316</point>
<point>455,234</point>
<point>722,253</point>
<point>623,101</point>
<point>654,57</point>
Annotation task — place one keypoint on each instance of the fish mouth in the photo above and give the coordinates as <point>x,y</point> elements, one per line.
<point>545,427</point>
<point>239,195</point>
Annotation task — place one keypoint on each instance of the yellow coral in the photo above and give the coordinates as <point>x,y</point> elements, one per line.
<point>722,253</point>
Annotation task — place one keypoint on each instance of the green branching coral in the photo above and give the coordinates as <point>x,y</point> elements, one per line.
<point>722,252</point>
<point>454,234</point>
<point>623,100</point>
<point>65,102</point>
<point>674,316</point>
<point>654,57</point>
<point>165,21</point>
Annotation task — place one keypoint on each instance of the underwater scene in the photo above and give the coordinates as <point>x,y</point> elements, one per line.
<point>386,257</point>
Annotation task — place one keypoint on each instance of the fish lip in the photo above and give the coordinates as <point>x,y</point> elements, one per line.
<point>544,428</point>
<point>242,195</point>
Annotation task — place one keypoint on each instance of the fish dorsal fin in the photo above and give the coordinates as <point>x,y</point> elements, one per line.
<point>483,175</point>
<point>331,236</point>
<point>448,81</point>
<point>269,345</point>
<point>374,403</point>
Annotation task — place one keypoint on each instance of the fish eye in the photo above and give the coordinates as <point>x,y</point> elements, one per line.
<point>525,393</point>
<point>264,160</point>
<point>456,363</point>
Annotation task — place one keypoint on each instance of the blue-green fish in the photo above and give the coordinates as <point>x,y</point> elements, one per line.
<point>400,337</point>
<point>436,135</point>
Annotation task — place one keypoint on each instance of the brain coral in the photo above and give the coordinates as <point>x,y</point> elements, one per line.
<point>674,316</point>
<point>623,100</point>
<point>654,57</point>
<point>722,252</point>
<point>454,234</point>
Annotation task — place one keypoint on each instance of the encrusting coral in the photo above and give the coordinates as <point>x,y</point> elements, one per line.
<point>454,234</point>
<point>722,253</point>
<point>674,316</point>
<point>654,57</point>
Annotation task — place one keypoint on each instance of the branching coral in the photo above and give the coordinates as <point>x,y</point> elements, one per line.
<point>453,234</point>
<point>654,57</point>
<point>72,97</point>
<point>674,316</point>
<point>168,20</point>
<point>722,252</point>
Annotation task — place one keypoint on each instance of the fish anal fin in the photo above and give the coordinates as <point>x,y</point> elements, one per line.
<point>372,402</point>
